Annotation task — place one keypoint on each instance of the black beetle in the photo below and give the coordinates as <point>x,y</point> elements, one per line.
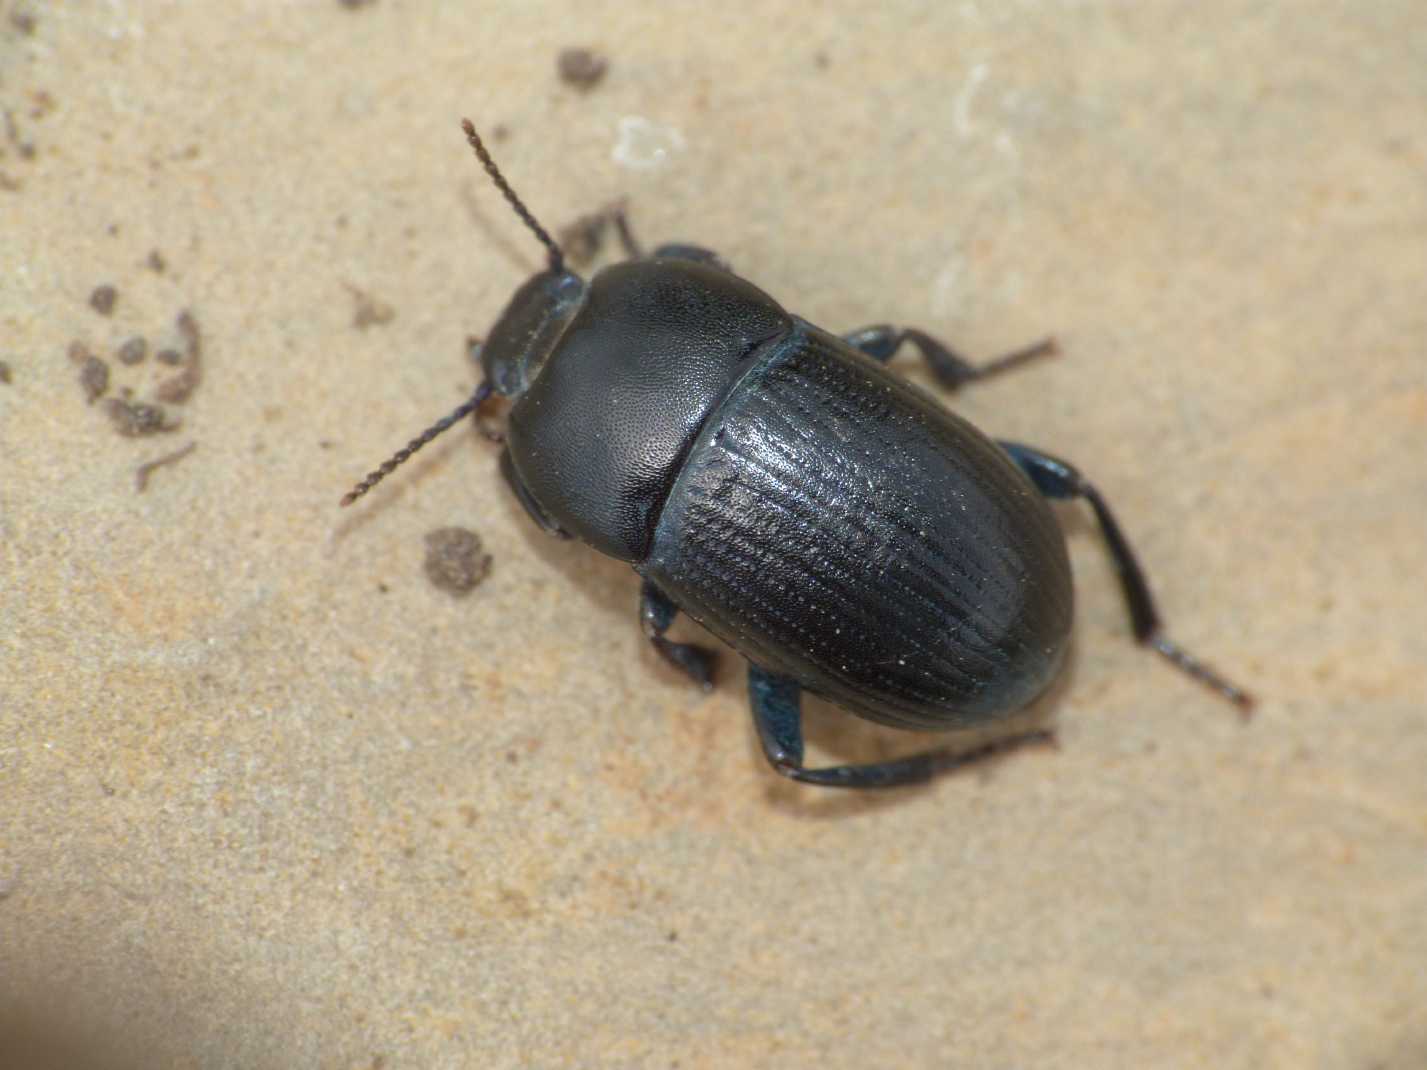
<point>832,523</point>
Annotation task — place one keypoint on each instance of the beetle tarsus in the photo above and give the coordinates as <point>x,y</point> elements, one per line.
<point>1196,669</point>
<point>1046,347</point>
<point>882,341</point>
<point>777,714</point>
<point>1060,479</point>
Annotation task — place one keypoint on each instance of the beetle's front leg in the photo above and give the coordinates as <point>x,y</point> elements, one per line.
<point>615,214</point>
<point>656,613</point>
<point>585,236</point>
<point>778,716</point>
<point>1057,479</point>
<point>882,341</point>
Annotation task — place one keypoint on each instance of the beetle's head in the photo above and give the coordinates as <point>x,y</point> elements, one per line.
<point>529,329</point>
<point>525,335</point>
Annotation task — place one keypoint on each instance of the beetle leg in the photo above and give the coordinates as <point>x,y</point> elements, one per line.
<point>626,236</point>
<point>778,715</point>
<point>583,239</point>
<point>585,236</point>
<point>881,342</point>
<point>1057,479</point>
<point>656,612</point>
<point>490,432</point>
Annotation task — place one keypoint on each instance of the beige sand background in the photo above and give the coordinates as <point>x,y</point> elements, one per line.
<point>269,799</point>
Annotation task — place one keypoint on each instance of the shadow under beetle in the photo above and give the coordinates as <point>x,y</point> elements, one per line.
<point>832,523</point>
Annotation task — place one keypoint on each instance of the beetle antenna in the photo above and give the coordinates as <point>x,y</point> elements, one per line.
<point>557,258</point>
<point>402,455</point>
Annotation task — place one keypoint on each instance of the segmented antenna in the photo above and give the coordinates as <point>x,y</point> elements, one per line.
<point>557,263</point>
<point>557,258</point>
<point>402,455</point>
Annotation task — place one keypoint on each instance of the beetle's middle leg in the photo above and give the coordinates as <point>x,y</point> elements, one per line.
<point>585,236</point>
<point>1058,479</point>
<point>881,342</point>
<point>656,613</point>
<point>778,716</point>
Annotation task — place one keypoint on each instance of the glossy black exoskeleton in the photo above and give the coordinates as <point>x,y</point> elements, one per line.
<point>832,523</point>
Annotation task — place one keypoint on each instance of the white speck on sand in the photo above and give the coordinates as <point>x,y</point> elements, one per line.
<point>644,145</point>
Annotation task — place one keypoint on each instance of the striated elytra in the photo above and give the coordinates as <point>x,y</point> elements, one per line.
<point>832,523</point>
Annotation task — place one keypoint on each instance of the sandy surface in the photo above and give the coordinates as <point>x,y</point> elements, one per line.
<point>270,799</point>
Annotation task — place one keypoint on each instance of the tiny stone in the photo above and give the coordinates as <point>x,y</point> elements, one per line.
<point>581,68</point>
<point>41,104</point>
<point>134,419</point>
<point>179,388</point>
<point>102,299</point>
<point>156,262</point>
<point>93,378</point>
<point>169,356</point>
<point>6,376</point>
<point>188,327</point>
<point>368,310</point>
<point>455,561</point>
<point>133,351</point>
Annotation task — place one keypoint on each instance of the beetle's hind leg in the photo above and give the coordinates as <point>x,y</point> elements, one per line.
<point>656,613</point>
<point>881,342</point>
<point>778,715</point>
<point>1057,479</point>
